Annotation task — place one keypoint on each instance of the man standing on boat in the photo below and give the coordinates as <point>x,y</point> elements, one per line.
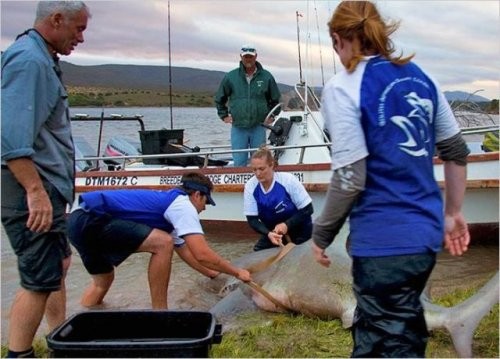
<point>110,225</point>
<point>38,166</point>
<point>245,97</point>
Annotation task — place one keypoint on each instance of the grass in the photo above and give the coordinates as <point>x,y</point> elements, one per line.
<point>285,336</point>
<point>300,337</point>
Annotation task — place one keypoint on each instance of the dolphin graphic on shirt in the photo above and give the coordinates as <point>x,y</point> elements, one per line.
<point>416,125</point>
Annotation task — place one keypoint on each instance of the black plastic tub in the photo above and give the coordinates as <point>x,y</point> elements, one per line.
<point>133,334</point>
<point>159,141</point>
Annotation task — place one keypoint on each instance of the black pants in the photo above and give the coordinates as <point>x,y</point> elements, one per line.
<point>389,318</point>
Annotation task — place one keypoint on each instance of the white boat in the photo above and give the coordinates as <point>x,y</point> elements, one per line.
<point>302,148</point>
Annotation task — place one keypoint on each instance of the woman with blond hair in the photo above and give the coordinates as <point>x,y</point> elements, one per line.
<point>276,204</point>
<point>386,117</point>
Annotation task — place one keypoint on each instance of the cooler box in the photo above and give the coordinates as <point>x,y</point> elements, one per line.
<point>132,334</point>
<point>159,141</point>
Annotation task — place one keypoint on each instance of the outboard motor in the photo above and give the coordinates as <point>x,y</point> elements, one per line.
<point>279,134</point>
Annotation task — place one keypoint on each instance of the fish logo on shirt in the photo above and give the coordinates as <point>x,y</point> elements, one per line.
<point>280,207</point>
<point>416,125</point>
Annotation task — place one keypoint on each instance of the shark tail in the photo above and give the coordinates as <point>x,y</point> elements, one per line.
<point>462,320</point>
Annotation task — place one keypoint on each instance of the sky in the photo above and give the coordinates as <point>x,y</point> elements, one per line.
<point>456,42</point>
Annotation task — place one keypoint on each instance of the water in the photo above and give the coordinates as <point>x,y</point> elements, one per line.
<point>130,288</point>
<point>202,127</point>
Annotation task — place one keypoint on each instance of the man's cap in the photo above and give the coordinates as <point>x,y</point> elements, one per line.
<point>197,186</point>
<point>248,50</point>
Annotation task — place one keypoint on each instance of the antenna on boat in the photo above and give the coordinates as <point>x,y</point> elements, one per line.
<point>100,136</point>
<point>297,14</point>
<point>319,44</point>
<point>170,71</point>
<point>333,50</point>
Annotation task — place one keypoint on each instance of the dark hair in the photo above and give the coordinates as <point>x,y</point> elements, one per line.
<point>195,177</point>
<point>361,23</point>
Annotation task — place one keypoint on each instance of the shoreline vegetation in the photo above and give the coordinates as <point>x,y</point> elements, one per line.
<point>261,335</point>
<point>118,97</point>
<point>112,97</point>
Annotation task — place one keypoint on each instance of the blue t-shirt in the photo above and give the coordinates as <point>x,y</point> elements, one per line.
<point>170,211</point>
<point>392,116</point>
<point>282,200</point>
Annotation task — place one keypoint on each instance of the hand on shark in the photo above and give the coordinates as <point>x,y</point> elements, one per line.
<point>320,256</point>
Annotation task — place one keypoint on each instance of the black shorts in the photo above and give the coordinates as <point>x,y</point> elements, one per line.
<point>104,242</point>
<point>39,255</point>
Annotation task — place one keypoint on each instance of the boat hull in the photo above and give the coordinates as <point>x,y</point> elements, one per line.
<point>481,205</point>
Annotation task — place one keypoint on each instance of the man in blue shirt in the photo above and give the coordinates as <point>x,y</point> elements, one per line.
<point>110,225</point>
<point>38,165</point>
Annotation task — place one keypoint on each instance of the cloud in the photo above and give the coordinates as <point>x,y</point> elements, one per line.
<point>456,42</point>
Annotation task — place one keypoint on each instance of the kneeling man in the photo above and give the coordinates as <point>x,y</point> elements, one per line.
<point>110,225</point>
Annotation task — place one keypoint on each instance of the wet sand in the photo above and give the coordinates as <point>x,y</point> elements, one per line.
<point>130,289</point>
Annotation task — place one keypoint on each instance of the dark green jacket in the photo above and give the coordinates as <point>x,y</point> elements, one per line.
<point>248,103</point>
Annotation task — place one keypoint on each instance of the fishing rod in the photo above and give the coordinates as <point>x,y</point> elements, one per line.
<point>170,71</point>
<point>319,44</point>
<point>333,50</point>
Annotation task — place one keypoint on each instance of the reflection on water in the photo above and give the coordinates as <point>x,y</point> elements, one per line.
<point>130,288</point>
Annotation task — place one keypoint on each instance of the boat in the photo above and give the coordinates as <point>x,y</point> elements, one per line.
<point>301,147</point>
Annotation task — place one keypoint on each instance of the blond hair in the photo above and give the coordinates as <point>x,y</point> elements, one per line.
<point>265,153</point>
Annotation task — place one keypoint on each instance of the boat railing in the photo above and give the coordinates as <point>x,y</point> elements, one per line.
<point>213,151</point>
<point>207,154</point>
<point>112,118</point>
<point>479,129</point>
<point>305,93</point>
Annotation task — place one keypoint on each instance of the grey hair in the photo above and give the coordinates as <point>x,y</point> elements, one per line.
<point>47,8</point>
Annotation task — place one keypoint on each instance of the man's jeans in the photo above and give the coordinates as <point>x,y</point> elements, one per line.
<point>242,138</point>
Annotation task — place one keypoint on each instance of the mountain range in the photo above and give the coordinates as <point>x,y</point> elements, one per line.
<point>183,79</point>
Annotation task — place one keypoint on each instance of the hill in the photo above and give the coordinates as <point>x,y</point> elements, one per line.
<point>184,79</point>
<point>141,85</point>
<point>464,96</point>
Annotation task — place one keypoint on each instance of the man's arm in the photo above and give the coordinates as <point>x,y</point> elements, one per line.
<point>39,205</point>
<point>274,96</point>
<point>221,97</point>
<point>209,258</point>
<point>185,253</point>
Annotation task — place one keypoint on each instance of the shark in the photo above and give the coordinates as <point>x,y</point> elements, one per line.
<point>298,284</point>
